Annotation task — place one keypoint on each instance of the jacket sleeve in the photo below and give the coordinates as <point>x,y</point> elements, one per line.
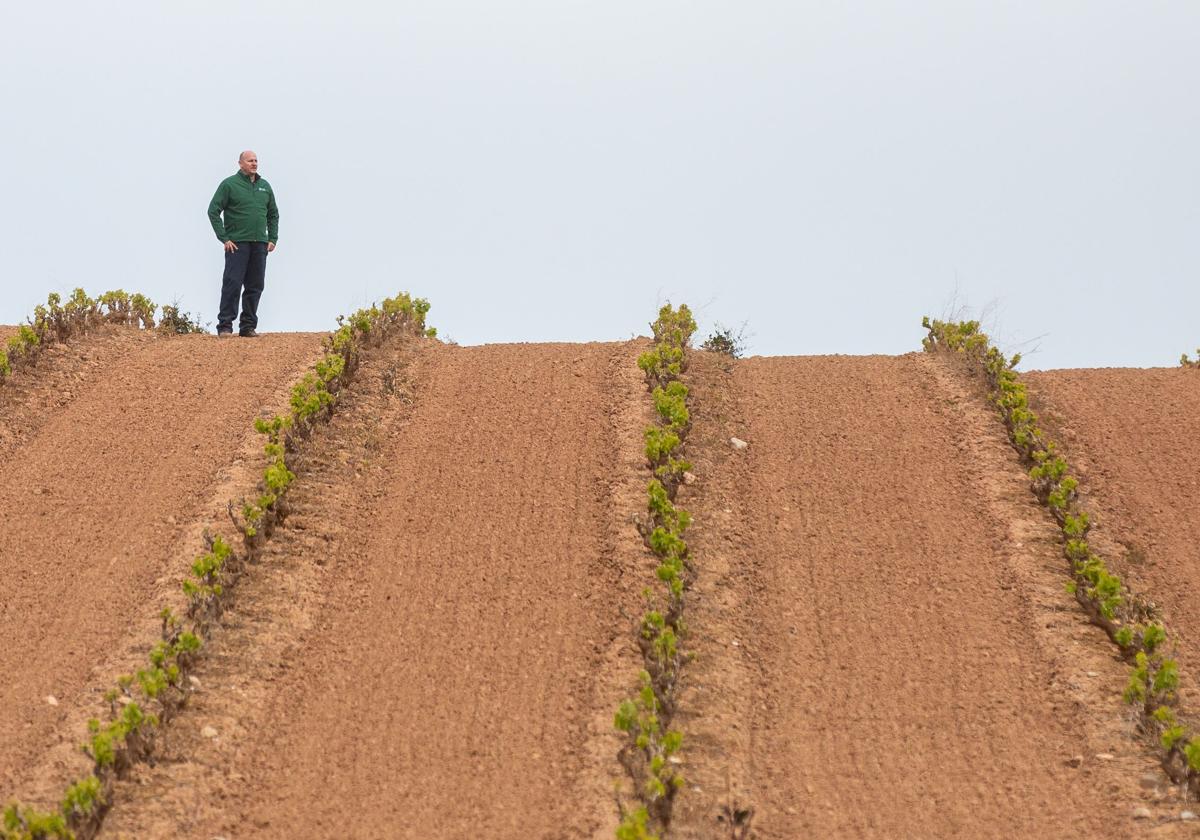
<point>272,218</point>
<point>219,201</point>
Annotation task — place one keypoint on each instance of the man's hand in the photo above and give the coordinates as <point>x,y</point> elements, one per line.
<point>230,247</point>
<point>270,247</point>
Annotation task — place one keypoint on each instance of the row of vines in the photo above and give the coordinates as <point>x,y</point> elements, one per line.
<point>57,321</point>
<point>649,753</point>
<point>1131,621</point>
<point>142,702</point>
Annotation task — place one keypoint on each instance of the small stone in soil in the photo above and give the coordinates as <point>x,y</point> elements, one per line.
<point>51,699</point>
<point>208,732</point>
<point>1187,815</point>
<point>1105,756</point>
<point>1142,813</point>
<point>738,443</point>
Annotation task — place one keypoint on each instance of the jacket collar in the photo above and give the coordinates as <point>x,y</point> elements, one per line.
<point>253,180</point>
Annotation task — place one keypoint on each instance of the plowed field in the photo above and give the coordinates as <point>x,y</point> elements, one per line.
<point>450,680</point>
<point>891,682</point>
<point>454,666</point>
<point>1132,434</point>
<point>94,498</point>
<point>434,643</point>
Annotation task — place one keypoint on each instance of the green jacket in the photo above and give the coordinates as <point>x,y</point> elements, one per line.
<point>250,211</point>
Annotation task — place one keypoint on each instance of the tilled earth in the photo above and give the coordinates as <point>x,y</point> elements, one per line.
<point>459,620</point>
<point>95,494</point>
<point>436,639</point>
<point>881,621</point>
<point>1131,436</point>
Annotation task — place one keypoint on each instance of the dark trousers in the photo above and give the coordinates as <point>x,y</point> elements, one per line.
<point>245,274</point>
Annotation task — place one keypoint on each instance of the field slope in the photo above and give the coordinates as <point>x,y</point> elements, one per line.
<point>1132,434</point>
<point>435,641</point>
<point>890,679</point>
<point>448,684</point>
<point>95,497</point>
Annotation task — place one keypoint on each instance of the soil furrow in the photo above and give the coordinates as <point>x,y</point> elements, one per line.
<point>97,495</point>
<point>886,669</point>
<point>455,643</point>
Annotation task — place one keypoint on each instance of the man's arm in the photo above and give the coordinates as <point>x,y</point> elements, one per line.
<point>272,218</point>
<point>219,201</point>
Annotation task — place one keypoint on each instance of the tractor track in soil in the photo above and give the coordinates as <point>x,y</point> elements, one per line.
<point>435,641</point>
<point>113,448</point>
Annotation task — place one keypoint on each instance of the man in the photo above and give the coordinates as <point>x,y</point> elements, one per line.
<point>249,232</point>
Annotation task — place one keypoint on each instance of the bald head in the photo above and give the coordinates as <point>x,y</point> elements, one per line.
<point>248,163</point>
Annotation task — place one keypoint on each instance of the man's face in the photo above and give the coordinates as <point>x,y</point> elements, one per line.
<point>248,163</point>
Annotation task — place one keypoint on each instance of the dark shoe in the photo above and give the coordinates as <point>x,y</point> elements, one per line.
<point>224,333</point>
<point>248,334</point>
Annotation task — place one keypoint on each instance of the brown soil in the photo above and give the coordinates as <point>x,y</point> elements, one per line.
<point>1131,436</point>
<point>443,630</point>
<point>35,394</point>
<point>101,477</point>
<point>884,646</point>
<point>434,643</point>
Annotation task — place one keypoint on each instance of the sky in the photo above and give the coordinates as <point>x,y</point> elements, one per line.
<point>816,175</point>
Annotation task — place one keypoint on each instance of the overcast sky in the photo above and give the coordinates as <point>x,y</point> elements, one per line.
<point>825,173</point>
